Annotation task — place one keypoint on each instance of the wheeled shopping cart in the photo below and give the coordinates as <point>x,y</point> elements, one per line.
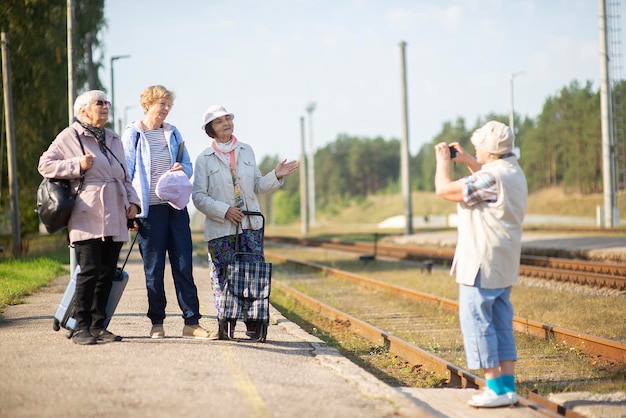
<point>246,293</point>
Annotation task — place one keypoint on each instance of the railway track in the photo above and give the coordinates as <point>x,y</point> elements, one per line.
<point>455,376</point>
<point>384,326</point>
<point>582,272</point>
<point>590,345</point>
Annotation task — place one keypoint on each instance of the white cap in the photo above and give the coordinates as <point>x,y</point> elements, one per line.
<point>493,137</point>
<point>213,113</point>
<point>175,188</point>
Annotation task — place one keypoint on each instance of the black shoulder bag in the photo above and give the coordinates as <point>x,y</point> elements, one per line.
<point>55,200</point>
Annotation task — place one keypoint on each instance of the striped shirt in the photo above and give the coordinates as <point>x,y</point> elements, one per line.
<point>479,187</point>
<point>160,161</point>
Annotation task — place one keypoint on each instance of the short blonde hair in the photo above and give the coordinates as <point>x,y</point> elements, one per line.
<point>85,100</point>
<point>154,93</point>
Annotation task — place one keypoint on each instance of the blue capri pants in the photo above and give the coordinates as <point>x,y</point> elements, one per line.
<point>486,317</point>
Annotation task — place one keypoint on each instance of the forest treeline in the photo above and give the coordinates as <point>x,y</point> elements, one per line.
<point>560,147</point>
<point>37,32</point>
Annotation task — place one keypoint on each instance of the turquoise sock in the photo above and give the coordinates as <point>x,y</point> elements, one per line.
<point>496,385</point>
<point>508,382</point>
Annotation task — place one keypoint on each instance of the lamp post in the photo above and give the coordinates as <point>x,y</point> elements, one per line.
<point>113,59</point>
<point>125,121</point>
<point>304,202</point>
<point>310,108</point>
<point>511,111</point>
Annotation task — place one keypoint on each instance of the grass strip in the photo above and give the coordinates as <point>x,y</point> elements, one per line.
<point>20,278</point>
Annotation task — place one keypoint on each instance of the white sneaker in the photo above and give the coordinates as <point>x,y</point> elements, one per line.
<point>512,397</point>
<point>489,399</point>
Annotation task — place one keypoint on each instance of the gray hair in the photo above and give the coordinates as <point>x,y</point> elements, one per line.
<point>84,100</point>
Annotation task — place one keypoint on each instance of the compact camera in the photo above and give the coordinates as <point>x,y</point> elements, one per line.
<point>453,152</point>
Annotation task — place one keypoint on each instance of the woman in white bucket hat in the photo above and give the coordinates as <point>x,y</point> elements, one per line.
<point>226,182</point>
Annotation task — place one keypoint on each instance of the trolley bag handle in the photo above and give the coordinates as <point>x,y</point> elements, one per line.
<point>241,253</point>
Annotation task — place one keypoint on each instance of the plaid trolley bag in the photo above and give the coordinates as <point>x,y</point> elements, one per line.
<point>246,293</point>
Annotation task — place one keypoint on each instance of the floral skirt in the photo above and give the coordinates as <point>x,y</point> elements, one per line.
<point>220,253</point>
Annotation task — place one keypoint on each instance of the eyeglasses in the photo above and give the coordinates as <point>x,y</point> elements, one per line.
<point>102,103</point>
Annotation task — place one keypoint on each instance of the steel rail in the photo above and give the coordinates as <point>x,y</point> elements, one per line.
<point>574,276</point>
<point>594,346</point>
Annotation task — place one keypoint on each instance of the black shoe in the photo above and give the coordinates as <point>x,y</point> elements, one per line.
<point>106,336</point>
<point>83,337</point>
<point>252,330</point>
<point>253,335</point>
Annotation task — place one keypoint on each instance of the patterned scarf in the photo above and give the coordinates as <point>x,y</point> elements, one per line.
<point>99,134</point>
<point>226,152</point>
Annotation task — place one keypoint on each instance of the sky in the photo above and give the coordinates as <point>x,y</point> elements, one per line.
<point>267,61</point>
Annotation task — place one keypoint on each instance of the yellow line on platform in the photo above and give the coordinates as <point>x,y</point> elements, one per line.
<point>244,385</point>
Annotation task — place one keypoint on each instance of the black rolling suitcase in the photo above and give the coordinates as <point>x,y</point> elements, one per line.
<point>246,293</point>
<point>64,316</point>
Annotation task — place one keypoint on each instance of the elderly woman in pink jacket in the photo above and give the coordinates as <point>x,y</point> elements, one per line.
<point>98,225</point>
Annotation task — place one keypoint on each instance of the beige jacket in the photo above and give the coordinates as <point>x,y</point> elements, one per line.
<point>213,191</point>
<point>101,205</point>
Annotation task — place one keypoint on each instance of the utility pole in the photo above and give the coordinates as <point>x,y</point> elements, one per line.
<point>70,61</point>
<point>70,94</point>
<point>304,221</point>
<point>609,182</point>
<point>404,149</point>
<point>310,108</point>
<point>12,166</point>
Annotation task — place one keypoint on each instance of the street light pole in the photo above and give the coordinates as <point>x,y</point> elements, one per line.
<point>511,111</point>
<point>304,202</point>
<point>113,59</point>
<point>310,108</point>
<point>125,122</point>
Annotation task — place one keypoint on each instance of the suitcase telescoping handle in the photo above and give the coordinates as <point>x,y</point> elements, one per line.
<point>130,249</point>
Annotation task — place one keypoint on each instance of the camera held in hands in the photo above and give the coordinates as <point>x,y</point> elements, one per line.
<point>453,152</point>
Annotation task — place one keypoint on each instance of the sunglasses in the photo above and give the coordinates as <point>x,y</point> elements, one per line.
<point>103,103</point>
